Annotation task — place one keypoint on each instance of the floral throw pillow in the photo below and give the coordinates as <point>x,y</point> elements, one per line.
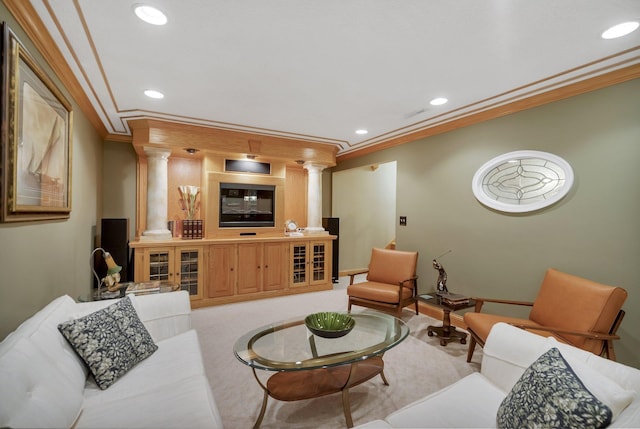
<point>111,341</point>
<point>550,395</point>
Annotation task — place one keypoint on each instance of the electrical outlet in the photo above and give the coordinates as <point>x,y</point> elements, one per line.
<point>403,221</point>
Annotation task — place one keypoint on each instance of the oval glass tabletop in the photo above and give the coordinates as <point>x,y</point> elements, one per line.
<point>288,345</point>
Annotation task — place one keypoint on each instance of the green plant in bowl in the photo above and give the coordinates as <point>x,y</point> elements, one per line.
<point>329,324</point>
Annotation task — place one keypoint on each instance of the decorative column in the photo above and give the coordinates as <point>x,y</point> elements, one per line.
<point>314,198</point>
<point>157,184</point>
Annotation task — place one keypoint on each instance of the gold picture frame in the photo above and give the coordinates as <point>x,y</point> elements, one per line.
<point>35,156</point>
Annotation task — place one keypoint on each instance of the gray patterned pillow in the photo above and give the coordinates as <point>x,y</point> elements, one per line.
<point>550,395</point>
<point>111,341</point>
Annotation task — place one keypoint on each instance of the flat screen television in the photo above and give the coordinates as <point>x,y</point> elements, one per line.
<point>246,205</point>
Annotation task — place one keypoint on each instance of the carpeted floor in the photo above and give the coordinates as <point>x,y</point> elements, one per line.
<point>416,367</point>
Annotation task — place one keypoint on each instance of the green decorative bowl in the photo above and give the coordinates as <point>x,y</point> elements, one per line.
<point>329,324</point>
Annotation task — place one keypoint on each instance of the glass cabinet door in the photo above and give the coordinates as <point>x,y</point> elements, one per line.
<point>299,274</point>
<point>189,272</point>
<point>319,271</point>
<point>159,264</point>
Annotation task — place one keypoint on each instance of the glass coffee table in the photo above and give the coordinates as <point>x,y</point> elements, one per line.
<point>307,366</point>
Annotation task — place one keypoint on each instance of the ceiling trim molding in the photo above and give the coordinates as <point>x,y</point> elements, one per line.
<point>32,25</point>
<point>577,88</point>
<point>26,16</point>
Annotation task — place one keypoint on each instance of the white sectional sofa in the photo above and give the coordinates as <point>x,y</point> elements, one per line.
<point>474,400</point>
<point>45,384</point>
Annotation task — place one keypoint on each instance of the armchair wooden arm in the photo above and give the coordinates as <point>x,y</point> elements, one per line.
<point>356,272</point>
<point>586,334</point>
<point>412,279</point>
<point>480,302</point>
<point>409,283</point>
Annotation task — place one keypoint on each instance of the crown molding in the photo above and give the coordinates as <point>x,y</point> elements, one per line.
<point>577,88</point>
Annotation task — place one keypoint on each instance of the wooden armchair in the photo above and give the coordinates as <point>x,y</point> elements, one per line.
<point>391,282</point>
<point>574,310</point>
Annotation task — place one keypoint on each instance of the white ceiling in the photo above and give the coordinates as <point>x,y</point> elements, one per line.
<point>320,69</point>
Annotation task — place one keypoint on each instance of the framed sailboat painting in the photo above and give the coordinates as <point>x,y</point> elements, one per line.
<point>36,139</point>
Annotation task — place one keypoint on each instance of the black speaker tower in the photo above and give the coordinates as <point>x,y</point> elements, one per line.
<point>332,224</point>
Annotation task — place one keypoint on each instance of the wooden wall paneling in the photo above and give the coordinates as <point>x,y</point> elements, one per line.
<point>182,171</point>
<point>295,198</point>
<point>209,140</point>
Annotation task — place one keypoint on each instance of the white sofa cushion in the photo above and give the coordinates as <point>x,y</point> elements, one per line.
<point>41,377</point>
<point>507,353</point>
<point>34,392</point>
<point>187,404</point>
<point>177,358</point>
<point>163,314</point>
<point>470,402</point>
<point>174,367</point>
<point>111,341</point>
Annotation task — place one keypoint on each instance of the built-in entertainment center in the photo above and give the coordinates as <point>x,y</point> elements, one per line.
<point>244,252</point>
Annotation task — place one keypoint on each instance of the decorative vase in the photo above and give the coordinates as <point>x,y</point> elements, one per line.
<point>189,200</point>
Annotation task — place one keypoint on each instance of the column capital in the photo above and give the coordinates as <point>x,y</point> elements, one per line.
<point>314,167</point>
<point>155,152</point>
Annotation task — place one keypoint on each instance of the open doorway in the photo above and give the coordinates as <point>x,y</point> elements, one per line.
<point>364,198</point>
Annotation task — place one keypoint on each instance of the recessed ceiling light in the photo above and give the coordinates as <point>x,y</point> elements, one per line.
<point>153,94</point>
<point>361,132</point>
<point>620,30</point>
<point>149,14</point>
<point>438,101</point>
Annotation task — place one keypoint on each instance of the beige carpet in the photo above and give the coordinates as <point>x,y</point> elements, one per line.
<point>416,367</point>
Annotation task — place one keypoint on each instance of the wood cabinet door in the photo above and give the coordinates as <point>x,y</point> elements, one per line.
<point>221,273</point>
<point>275,263</point>
<point>249,268</point>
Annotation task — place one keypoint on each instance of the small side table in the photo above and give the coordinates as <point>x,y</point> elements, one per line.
<point>146,288</point>
<point>446,332</point>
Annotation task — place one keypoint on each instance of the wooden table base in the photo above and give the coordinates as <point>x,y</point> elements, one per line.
<point>308,384</point>
<point>447,332</point>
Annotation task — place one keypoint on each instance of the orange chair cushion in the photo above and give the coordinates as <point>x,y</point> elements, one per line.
<point>379,292</point>
<point>481,324</point>
<point>391,266</point>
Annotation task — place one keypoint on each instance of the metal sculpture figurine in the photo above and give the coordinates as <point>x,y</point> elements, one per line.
<point>442,277</point>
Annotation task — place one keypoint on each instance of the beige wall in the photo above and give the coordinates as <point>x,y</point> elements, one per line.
<point>119,183</point>
<point>40,261</point>
<point>364,199</point>
<point>594,232</point>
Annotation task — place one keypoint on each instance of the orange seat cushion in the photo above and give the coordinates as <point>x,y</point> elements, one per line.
<point>379,292</point>
<point>481,323</point>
